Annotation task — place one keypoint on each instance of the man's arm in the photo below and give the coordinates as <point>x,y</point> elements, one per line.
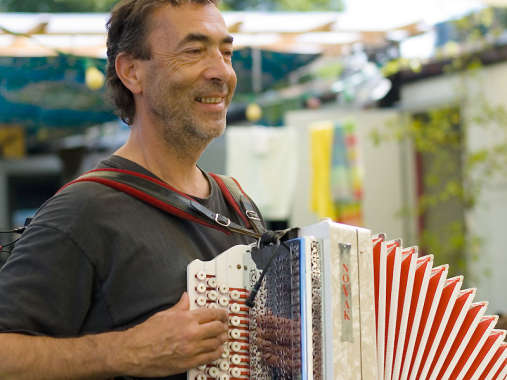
<point>170,342</point>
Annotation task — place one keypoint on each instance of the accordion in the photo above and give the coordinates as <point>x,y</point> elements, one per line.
<point>335,302</point>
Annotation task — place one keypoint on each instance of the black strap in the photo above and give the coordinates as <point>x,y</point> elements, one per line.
<point>243,201</point>
<point>164,197</point>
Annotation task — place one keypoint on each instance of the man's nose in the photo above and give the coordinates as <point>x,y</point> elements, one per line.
<point>218,67</point>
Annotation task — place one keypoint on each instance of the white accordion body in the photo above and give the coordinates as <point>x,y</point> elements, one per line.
<point>339,303</point>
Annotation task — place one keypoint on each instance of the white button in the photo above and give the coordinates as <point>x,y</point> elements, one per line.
<point>212,295</point>
<point>235,346</point>
<point>201,377</point>
<point>235,372</point>
<point>213,372</point>
<point>225,354</point>
<point>200,288</point>
<point>202,367</point>
<point>224,365</point>
<point>234,308</point>
<point>235,321</point>
<point>200,275</point>
<point>201,300</point>
<point>223,377</point>
<point>236,359</point>
<point>212,282</point>
<point>235,333</point>
<point>235,295</point>
<point>223,289</point>
<point>224,301</point>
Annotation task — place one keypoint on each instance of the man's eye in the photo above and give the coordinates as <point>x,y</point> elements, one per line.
<point>194,51</point>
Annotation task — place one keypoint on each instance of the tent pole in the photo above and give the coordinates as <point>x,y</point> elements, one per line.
<point>256,70</point>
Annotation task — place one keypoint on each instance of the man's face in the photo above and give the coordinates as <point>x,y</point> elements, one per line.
<point>189,81</point>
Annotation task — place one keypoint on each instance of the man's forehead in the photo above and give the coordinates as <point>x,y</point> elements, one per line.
<point>189,18</point>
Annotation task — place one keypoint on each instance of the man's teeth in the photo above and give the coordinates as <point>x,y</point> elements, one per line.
<point>209,100</point>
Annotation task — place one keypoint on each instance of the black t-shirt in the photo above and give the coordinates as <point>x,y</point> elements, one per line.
<point>95,259</point>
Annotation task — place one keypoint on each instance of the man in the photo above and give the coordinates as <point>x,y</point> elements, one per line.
<point>95,287</point>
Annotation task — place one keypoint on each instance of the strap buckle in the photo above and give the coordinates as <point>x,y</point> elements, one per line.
<point>252,215</point>
<point>222,220</point>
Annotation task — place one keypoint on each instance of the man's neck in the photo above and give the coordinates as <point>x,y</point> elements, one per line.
<point>176,167</point>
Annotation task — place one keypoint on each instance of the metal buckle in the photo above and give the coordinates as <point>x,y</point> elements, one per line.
<point>252,215</point>
<point>222,220</point>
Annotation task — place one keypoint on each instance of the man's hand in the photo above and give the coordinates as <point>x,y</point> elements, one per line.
<point>174,340</point>
<point>171,341</point>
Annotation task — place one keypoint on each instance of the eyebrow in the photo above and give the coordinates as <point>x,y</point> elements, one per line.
<point>197,37</point>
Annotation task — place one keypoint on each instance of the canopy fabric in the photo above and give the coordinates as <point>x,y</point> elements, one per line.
<point>275,67</point>
<point>51,91</point>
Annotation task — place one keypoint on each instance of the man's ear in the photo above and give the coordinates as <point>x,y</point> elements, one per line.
<point>128,70</point>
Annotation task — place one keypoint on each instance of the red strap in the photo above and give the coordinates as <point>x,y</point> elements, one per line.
<point>230,199</point>
<point>136,174</point>
<point>147,198</point>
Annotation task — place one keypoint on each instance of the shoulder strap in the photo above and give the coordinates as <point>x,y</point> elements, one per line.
<point>235,195</point>
<point>163,196</point>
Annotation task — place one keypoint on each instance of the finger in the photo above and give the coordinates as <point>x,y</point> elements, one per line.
<point>209,315</point>
<point>211,330</point>
<point>183,303</point>
<point>207,357</point>
<point>210,345</point>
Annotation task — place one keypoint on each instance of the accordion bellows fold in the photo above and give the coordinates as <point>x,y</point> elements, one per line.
<point>339,303</point>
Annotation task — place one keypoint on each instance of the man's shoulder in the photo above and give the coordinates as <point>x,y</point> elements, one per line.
<point>85,200</point>
<point>77,202</point>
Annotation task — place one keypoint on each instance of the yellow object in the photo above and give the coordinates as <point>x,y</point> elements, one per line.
<point>12,142</point>
<point>94,78</point>
<point>321,139</point>
<point>336,179</point>
<point>253,112</point>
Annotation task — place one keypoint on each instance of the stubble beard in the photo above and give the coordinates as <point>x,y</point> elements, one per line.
<point>182,130</point>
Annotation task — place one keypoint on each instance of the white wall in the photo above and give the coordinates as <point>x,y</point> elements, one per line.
<point>488,220</point>
<point>385,192</point>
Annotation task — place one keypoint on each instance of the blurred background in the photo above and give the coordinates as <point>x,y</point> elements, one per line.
<point>390,115</point>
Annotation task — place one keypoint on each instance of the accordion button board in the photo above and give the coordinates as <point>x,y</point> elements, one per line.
<point>337,303</point>
<point>274,338</point>
<point>223,283</point>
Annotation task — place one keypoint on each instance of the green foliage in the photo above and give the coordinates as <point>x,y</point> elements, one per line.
<point>56,5</point>
<point>330,71</point>
<point>283,5</point>
<point>241,5</point>
<point>454,176</point>
<point>106,5</point>
<point>396,65</point>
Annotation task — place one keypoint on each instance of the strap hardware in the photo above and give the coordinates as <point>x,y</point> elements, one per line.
<point>222,220</point>
<point>163,196</point>
<point>252,215</point>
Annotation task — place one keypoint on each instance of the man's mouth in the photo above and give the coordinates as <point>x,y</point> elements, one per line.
<point>209,100</point>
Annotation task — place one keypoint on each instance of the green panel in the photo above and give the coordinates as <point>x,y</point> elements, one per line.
<point>50,92</point>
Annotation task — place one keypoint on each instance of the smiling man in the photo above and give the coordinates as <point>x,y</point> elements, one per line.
<point>96,286</point>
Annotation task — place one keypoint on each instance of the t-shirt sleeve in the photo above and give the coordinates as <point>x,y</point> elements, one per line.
<point>46,286</point>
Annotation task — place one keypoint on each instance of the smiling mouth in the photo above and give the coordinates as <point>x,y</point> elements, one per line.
<point>209,100</point>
